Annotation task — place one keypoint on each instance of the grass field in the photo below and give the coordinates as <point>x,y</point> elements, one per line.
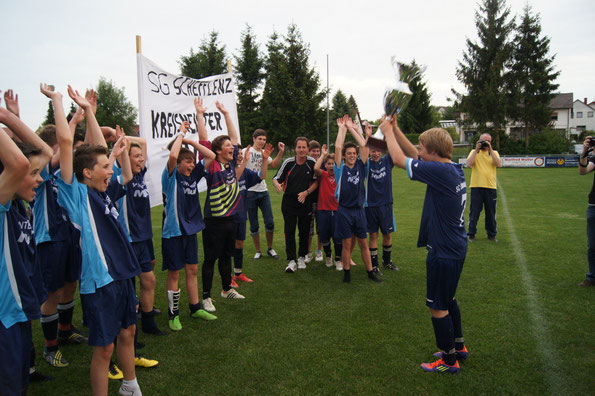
<point>528,326</point>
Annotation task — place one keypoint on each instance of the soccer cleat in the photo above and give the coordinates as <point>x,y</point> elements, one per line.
<point>271,252</point>
<point>257,255</point>
<point>140,361</point>
<point>175,324</point>
<point>301,263</point>
<point>36,376</point>
<point>127,390</point>
<point>318,256</point>
<point>338,265</point>
<point>329,262</point>
<point>440,367</point>
<point>461,354</point>
<point>242,278</point>
<point>373,277</point>
<point>232,294</point>
<point>587,283</point>
<point>207,303</point>
<point>471,238</point>
<point>391,266</point>
<point>154,331</point>
<point>493,239</point>
<point>203,314</point>
<point>291,267</point>
<point>308,258</point>
<point>55,358</point>
<point>233,283</point>
<point>114,372</point>
<point>72,338</point>
<point>377,271</point>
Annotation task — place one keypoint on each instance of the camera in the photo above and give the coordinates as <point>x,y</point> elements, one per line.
<point>592,142</point>
<point>484,144</point>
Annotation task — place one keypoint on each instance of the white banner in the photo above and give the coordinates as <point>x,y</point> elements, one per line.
<point>517,162</point>
<point>165,100</point>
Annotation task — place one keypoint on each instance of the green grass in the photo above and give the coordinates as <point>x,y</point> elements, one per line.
<point>308,333</point>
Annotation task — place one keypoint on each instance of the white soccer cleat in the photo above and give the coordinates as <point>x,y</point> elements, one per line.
<point>318,256</point>
<point>207,304</point>
<point>232,294</point>
<point>308,258</point>
<point>329,262</point>
<point>301,264</point>
<point>291,267</point>
<point>338,266</point>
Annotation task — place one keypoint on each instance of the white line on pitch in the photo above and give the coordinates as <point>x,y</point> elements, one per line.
<point>545,347</point>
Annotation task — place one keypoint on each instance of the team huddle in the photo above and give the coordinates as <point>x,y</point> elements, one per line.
<point>87,222</point>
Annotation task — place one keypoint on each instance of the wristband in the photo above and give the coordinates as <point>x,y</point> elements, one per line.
<point>582,166</point>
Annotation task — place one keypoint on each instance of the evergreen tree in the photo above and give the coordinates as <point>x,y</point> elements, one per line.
<point>531,76</point>
<point>291,100</point>
<point>208,61</point>
<point>114,108</point>
<point>249,78</point>
<point>49,115</point>
<point>482,70</point>
<point>340,107</point>
<point>417,115</point>
<point>353,109</point>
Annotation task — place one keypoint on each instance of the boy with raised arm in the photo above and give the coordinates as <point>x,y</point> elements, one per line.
<point>351,216</point>
<point>108,261</point>
<point>182,220</point>
<point>442,233</point>
<point>379,206</point>
<point>221,206</point>
<point>327,207</point>
<point>21,289</point>
<point>247,179</point>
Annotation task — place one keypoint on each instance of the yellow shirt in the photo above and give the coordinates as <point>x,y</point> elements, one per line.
<point>483,172</point>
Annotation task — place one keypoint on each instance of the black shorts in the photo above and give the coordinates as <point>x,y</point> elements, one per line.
<point>442,280</point>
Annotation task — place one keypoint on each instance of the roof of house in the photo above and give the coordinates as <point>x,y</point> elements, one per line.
<point>562,101</point>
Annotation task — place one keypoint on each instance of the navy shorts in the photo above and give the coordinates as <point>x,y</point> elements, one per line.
<point>350,221</point>
<point>240,230</point>
<point>108,310</point>
<point>179,251</point>
<point>151,249</point>
<point>15,349</point>
<point>442,278</point>
<point>142,252</point>
<point>325,219</point>
<point>59,263</point>
<point>381,217</point>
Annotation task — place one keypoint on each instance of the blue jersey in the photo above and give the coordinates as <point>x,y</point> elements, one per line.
<point>442,221</point>
<point>181,207</point>
<point>49,219</point>
<point>249,179</point>
<point>20,296</point>
<point>350,191</point>
<point>106,252</point>
<point>135,209</point>
<point>379,190</point>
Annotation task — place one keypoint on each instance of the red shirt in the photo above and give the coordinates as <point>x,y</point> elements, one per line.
<point>326,192</point>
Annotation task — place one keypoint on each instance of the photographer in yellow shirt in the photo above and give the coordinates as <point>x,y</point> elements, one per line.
<point>483,161</point>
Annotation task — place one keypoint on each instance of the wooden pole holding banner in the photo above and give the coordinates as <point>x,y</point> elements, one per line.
<point>229,66</point>
<point>138,45</point>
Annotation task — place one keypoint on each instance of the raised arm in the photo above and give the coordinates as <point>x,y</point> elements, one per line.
<point>395,151</point>
<point>231,129</point>
<point>94,134</point>
<point>585,166</point>
<point>207,153</point>
<point>406,146</point>
<point>174,151</point>
<point>340,140</point>
<point>266,154</point>
<point>122,155</point>
<point>142,142</point>
<point>320,160</point>
<point>277,160</point>
<point>14,161</point>
<point>200,118</point>
<point>12,103</point>
<point>494,155</point>
<point>63,136</point>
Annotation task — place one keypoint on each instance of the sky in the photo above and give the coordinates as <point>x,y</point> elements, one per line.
<point>68,42</point>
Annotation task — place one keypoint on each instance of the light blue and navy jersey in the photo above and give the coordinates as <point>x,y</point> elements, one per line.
<point>181,208</point>
<point>380,185</point>
<point>249,179</point>
<point>442,221</point>
<point>49,219</point>
<point>106,253</point>
<point>135,209</point>
<point>20,296</point>
<point>350,192</point>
